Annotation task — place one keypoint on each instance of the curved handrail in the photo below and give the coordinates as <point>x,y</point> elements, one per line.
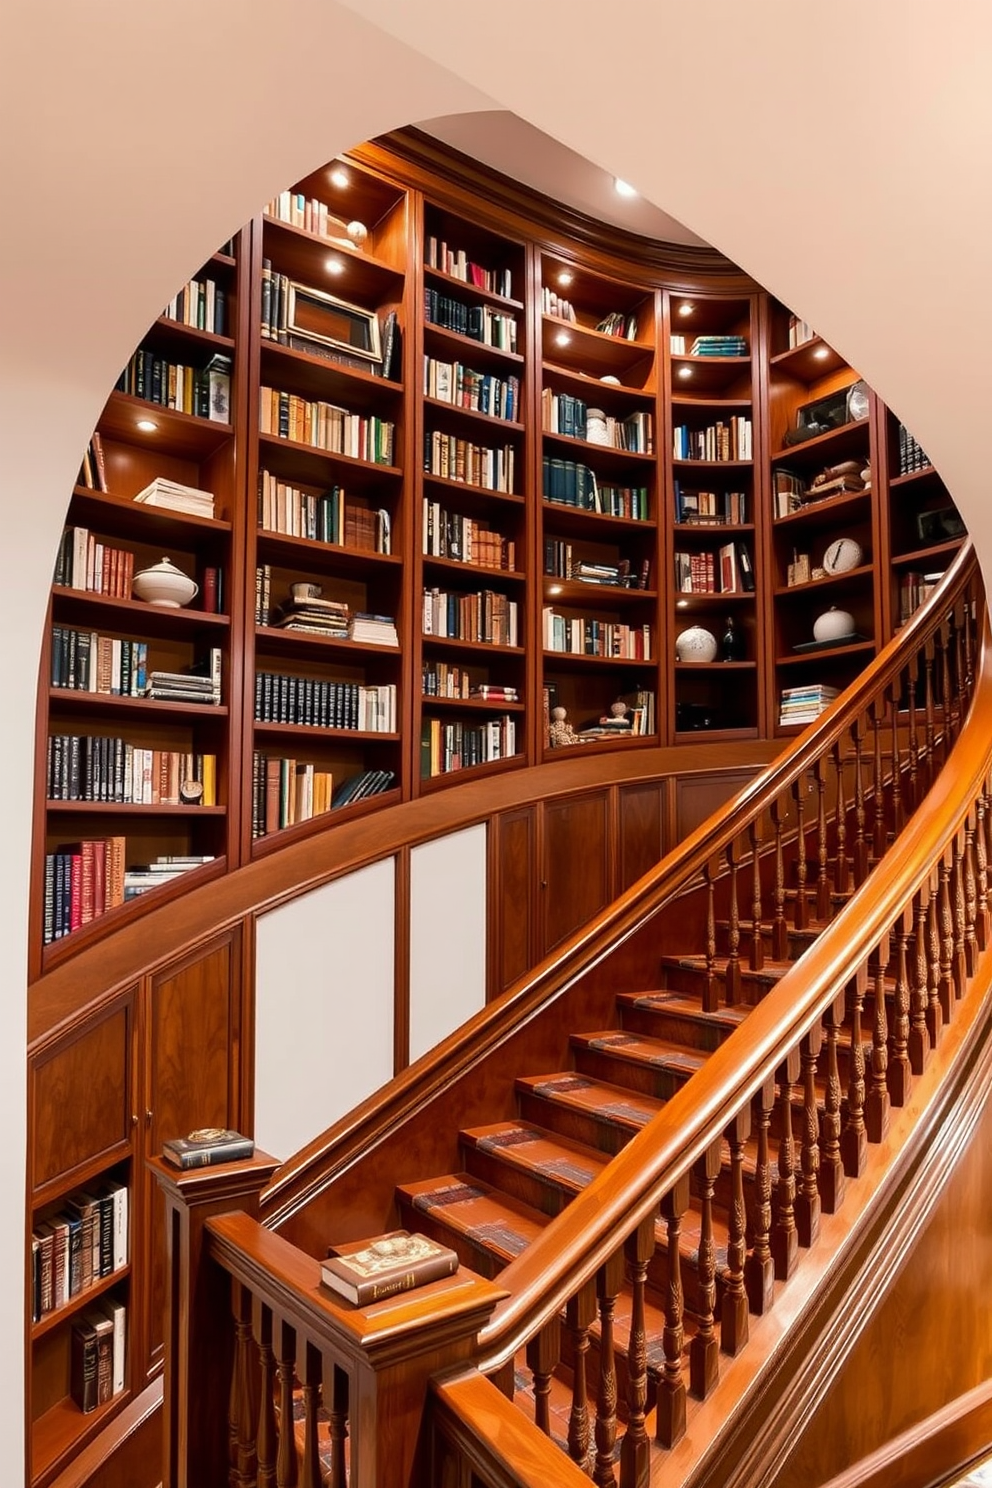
<point>316,1165</point>
<point>575,1244</point>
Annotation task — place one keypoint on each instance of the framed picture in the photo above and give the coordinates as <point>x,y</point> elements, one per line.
<point>939,526</point>
<point>315,315</point>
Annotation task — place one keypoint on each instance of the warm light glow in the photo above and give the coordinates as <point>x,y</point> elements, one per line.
<point>565,278</point>
<point>686,307</point>
<point>681,604</point>
<point>554,589</point>
<point>685,371</point>
<point>339,176</point>
<point>334,266</point>
<point>562,338</point>
<point>147,426</point>
<point>623,188</point>
<point>821,353</point>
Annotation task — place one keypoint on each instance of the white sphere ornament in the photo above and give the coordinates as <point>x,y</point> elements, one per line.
<point>357,232</point>
<point>696,644</point>
<point>833,625</point>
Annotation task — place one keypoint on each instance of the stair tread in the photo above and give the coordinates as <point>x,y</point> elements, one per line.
<point>571,1165</point>
<point>678,1005</point>
<point>770,973</point>
<point>502,1225</point>
<point>640,1049</point>
<point>629,1109</point>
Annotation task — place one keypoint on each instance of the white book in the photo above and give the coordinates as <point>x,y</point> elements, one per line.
<point>117,1313</point>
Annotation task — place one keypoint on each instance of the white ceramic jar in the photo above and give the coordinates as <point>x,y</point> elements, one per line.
<point>164,584</point>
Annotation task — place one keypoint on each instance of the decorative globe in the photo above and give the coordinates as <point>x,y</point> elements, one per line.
<point>696,644</point>
<point>833,625</point>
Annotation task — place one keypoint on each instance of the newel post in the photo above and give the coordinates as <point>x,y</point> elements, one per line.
<point>199,1349</point>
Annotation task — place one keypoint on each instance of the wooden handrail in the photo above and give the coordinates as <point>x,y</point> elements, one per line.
<point>330,1154</point>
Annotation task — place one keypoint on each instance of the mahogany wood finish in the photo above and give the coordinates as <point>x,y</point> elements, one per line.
<point>942,1448</point>
<point>576,876</point>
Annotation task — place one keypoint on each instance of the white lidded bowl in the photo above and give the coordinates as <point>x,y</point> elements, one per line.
<point>833,625</point>
<point>164,584</point>
<point>696,644</point>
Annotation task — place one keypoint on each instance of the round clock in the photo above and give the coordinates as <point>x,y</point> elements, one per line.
<point>842,554</point>
<point>857,401</point>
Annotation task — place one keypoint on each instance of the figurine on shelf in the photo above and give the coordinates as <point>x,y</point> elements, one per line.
<point>619,720</point>
<point>561,732</point>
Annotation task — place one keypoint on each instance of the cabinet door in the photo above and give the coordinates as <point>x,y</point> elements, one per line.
<point>193,1051</point>
<point>576,876</point>
<point>642,830</point>
<point>512,911</point>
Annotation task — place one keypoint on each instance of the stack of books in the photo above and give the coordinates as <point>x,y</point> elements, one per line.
<point>804,704</point>
<point>201,684</point>
<point>490,693</point>
<point>357,787</point>
<point>325,617</point>
<point>176,497</point>
<point>139,879</point>
<point>374,630</point>
<point>728,346</point>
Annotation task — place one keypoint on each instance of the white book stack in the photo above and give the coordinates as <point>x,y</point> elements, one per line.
<point>174,496</point>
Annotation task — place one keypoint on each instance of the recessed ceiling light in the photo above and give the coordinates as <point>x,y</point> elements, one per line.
<point>334,266</point>
<point>686,307</point>
<point>562,338</point>
<point>147,426</point>
<point>565,278</point>
<point>339,176</point>
<point>623,188</point>
<point>821,353</point>
<point>685,371</point>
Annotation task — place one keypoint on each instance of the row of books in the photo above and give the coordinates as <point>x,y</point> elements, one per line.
<point>586,636</point>
<point>465,539</point>
<point>445,747</point>
<point>456,263</point>
<point>175,496</point>
<point>710,508</point>
<point>97,767</point>
<point>912,456</point>
<point>618,324</point>
<point>461,460</point>
<point>93,470</point>
<point>561,561</point>
<point>571,483</point>
<point>326,426</point>
<point>328,516</point>
<point>727,571</point>
<point>82,881</point>
<point>314,702</point>
<point>288,791</point>
<point>789,491</point>
<point>304,212</point>
<point>730,440</point>
<point>481,392</point>
<point>914,588</point>
<point>83,661</point>
<point>486,616</point>
<point>804,704</point>
<point>199,683</point>
<point>552,303</point>
<point>97,1350</point>
<point>141,878</point>
<point>78,1244</point>
<point>561,413</point>
<point>84,562</point>
<point>479,322</point>
<point>800,331</point>
<point>203,391</point>
<point>443,679</point>
<point>709,345</point>
<point>201,303</point>
<point>333,620</point>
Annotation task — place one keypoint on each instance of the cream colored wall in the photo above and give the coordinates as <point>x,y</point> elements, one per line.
<point>840,154</point>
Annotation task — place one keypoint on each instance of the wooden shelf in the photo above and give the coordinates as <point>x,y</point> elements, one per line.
<point>708,374</point>
<point>363,279</point>
<point>430,783</point>
<point>849,441</point>
<point>472,705</point>
<point>561,517</point>
<point>940,552</point>
<point>328,557</point>
<point>325,735</point>
<point>133,616</point>
<point>316,466</point>
<point>833,653</point>
<point>466,570</point>
<point>480,493</point>
<point>466,347</point>
<point>828,512</point>
<point>78,1303</point>
<point>62,1429</point>
<point>75,700</point>
<point>796,591</point>
<point>322,377</point>
<point>574,592</point>
<point>600,455</point>
<point>177,433</point>
<point>277,641</point>
<point>589,383</point>
<point>588,350</point>
<point>457,287</point>
<point>568,660</point>
<point>100,510</point>
<point>809,362</point>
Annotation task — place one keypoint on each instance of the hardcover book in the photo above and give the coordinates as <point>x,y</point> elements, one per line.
<point>206,1146</point>
<point>367,1270</point>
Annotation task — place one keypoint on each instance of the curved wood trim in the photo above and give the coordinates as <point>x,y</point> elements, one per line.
<point>938,1450</point>
<point>136,1415</point>
<point>516,1455</point>
<point>316,1165</point>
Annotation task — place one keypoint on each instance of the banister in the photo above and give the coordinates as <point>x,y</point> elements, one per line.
<point>578,1241</point>
<point>316,1165</point>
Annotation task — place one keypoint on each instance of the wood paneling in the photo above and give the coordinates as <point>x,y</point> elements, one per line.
<point>642,830</point>
<point>575,864</point>
<point>81,1100</point>
<point>698,796</point>
<point>511,896</point>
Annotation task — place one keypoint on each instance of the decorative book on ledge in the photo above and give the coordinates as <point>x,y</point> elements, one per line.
<point>368,1270</point>
<point>207,1146</point>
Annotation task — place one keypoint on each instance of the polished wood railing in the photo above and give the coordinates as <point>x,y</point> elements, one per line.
<point>897,773</point>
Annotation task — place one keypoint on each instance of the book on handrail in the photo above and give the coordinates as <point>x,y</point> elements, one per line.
<point>206,1146</point>
<point>366,1270</point>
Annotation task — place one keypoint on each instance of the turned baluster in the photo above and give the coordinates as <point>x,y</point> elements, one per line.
<point>877,1104</point>
<point>785,1237</point>
<point>267,1440</point>
<point>946,687</point>
<point>969,645</point>
<point>780,930</point>
<point>898,809</point>
<point>987,818</point>
<point>635,1449</point>
<point>919,1035</point>
<point>711,996</point>
<point>946,921</point>
<point>808,1197</point>
<point>860,852</point>
<point>900,1077</point>
<point>956,678</point>
<point>670,1413</point>
<point>759,1268</point>
<point>733,1307</point>
<point>580,1314</point>
<point>854,1138</point>
<point>878,835</point>
<point>960,967</point>
<point>285,1348</point>
<point>800,916</point>
<point>310,1475</point>
<point>833,1180</point>
<point>973,888</point>
<point>935,1010</point>
<point>757,936</point>
<point>543,1353</point>
<point>912,682</point>
<point>929,720</point>
<point>982,874</point>
<point>823,887</point>
<point>338,1428</point>
<point>244,1400</point>
<point>842,870</point>
<point>704,1351</point>
<point>732,991</point>
<point>609,1279</point>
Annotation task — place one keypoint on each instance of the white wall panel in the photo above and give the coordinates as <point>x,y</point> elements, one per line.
<point>324,1006</point>
<point>447,935</point>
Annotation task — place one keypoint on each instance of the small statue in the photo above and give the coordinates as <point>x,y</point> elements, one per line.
<point>561,732</point>
<point>618,718</point>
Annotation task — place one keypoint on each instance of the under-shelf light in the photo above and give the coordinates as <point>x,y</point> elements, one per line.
<point>554,588</point>
<point>681,604</point>
<point>147,426</point>
<point>562,338</point>
<point>334,266</point>
<point>685,371</point>
<point>565,278</point>
<point>821,353</point>
<point>686,307</point>
<point>623,188</point>
<point>339,177</point>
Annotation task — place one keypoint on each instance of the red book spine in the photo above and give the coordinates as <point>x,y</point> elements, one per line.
<point>208,591</point>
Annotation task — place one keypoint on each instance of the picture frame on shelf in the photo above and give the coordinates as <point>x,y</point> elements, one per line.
<point>942,524</point>
<point>316,315</point>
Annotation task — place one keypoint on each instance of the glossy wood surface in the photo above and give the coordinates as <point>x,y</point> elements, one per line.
<point>82,1099</point>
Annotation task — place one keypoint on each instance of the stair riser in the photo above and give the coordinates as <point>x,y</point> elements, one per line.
<point>541,1190</point>
<point>694,1033</point>
<point>691,983</point>
<point>601,1064</point>
<point>594,1130</point>
<point>470,1252</point>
